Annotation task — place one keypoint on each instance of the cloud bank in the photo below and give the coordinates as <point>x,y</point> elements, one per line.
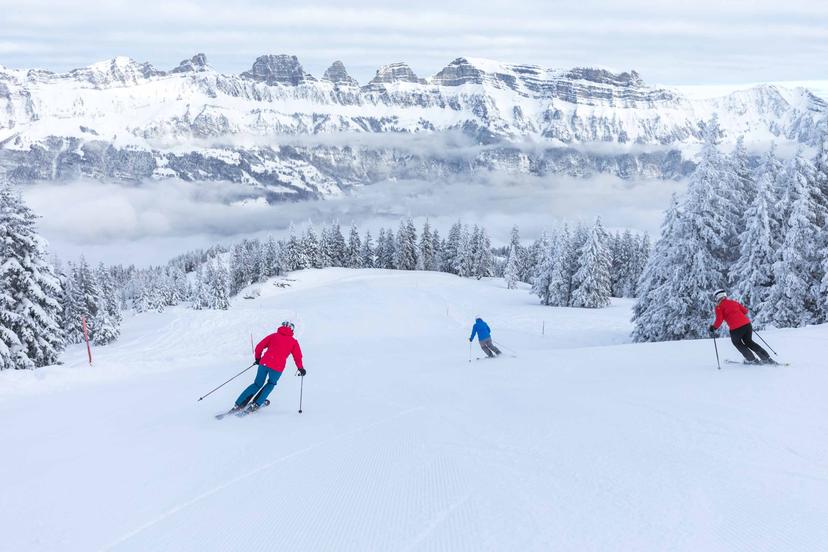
<point>151,222</point>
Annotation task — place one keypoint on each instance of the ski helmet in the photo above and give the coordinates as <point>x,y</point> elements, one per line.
<point>719,295</point>
<point>288,324</point>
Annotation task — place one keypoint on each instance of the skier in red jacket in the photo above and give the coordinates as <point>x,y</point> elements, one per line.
<point>741,330</point>
<point>271,356</point>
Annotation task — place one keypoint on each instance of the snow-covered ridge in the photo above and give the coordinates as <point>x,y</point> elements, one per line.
<point>124,119</point>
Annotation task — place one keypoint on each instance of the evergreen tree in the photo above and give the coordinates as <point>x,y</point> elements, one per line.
<point>452,254</point>
<point>271,262</point>
<point>108,319</point>
<point>334,246</point>
<point>386,249</point>
<point>564,265</point>
<point>294,256</point>
<point>655,308</point>
<point>213,288</point>
<point>511,273</point>
<point>313,251</point>
<point>593,285</point>
<point>30,333</point>
<point>542,277</point>
<point>752,275</point>
<point>425,259</point>
<point>521,256</point>
<point>367,253</point>
<point>436,252</point>
<point>480,254</point>
<point>355,253</point>
<point>406,246</point>
<point>794,293</point>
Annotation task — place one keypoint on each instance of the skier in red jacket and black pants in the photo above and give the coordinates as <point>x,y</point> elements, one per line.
<point>271,356</point>
<point>741,330</point>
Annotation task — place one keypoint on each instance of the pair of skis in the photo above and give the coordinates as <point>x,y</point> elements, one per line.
<point>241,412</point>
<point>776,363</point>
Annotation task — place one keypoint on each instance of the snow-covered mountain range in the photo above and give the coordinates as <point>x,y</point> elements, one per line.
<point>283,133</point>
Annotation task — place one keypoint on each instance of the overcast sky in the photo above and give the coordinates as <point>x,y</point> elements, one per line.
<point>668,42</point>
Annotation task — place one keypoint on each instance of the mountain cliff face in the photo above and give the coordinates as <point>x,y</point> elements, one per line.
<point>287,134</point>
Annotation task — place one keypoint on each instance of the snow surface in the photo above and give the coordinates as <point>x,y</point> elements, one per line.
<point>581,442</point>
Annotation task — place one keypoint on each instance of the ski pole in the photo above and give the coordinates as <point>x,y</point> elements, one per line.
<point>228,381</point>
<point>470,348</point>
<point>717,350</point>
<point>765,342</point>
<point>301,389</point>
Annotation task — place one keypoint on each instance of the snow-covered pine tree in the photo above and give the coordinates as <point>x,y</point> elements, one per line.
<point>521,255</point>
<point>271,264</point>
<point>655,309</point>
<point>821,181</point>
<point>463,263</point>
<point>794,294</point>
<point>294,256</point>
<point>480,254</point>
<point>367,252</point>
<point>387,250</point>
<point>91,298</point>
<point>218,286</point>
<point>742,185</point>
<point>71,307</point>
<point>425,259</point>
<point>334,248</point>
<point>542,278</point>
<point>436,251</point>
<point>451,258</point>
<point>30,331</point>
<point>641,255</point>
<point>562,269</point>
<point>354,256</point>
<point>620,254</point>
<point>511,274</point>
<point>108,319</point>
<point>752,275</point>
<point>593,285</point>
<point>312,250</point>
<point>406,246</point>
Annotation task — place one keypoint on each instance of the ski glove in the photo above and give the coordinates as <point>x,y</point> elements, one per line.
<point>302,372</point>
<point>712,328</point>
<point>256,362</point>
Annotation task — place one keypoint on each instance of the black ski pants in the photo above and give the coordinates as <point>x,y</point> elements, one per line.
<point>742,338</point>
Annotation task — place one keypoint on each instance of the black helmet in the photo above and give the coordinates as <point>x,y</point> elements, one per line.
<point>288,324</point>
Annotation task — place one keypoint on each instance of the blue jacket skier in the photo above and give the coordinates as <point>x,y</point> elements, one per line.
<point>484,336</point>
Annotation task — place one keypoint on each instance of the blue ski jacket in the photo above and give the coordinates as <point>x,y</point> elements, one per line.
<point>481,329</point>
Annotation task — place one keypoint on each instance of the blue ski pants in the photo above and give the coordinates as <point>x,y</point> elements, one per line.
<point>262,373</point>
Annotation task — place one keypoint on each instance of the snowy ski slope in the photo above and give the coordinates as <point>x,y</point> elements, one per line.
<point>581,442</point>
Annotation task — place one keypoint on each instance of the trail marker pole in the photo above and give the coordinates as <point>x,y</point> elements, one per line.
<point>86,337</point>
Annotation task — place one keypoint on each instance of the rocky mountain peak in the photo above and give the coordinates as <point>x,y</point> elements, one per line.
<point>395,72</point>
<point>458,72</point>
<point>278,69</point>
<point>337,74</point>
<point>195,64</point>
<point>603,76</point>
<point>118,70</point>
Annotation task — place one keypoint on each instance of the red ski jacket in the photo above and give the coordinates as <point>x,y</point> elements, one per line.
<point>732,312</point>
<point>279,346</point>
